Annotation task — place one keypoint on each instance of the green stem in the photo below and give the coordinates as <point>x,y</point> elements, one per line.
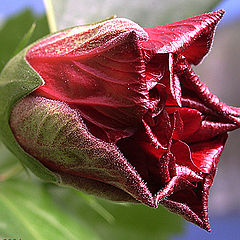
<point>13,171</point>
<point>50,15</point>
<point>93,203</point>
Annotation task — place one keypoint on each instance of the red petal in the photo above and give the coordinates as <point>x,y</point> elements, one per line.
<point>176,184</point>
<point>162,128</point>
<point>153,139</point>
<point>182,153</point>
<point>195,103</point>
<point>170,79</point>
<point>192,203</point>
<point>146,160</point>
<point>182,180</point>
<point>175,87</point>
<point>191,80</point>
<point>192,36</point>
<point>191,119</point>
<point>210,129</point>
<point>177,125</point>
<point>205,155</point>
<point>109,90</point>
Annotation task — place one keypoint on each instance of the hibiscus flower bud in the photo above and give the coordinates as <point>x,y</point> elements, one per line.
<point>116,110</point>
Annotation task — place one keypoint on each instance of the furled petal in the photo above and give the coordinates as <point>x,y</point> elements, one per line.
<point>176,184</point>
<point>174,83</point>
<point>160,69</point>
<point>205,155</point>
<point>192,203</point>
<point>190,118</point>
<point>161,128</point>
<point>195,103</point>
<point>182,154</point>
<point>148,161</point>
<point>192,37</point>
<point>103,76</point>
<point>184,178</point>
<point>191,81</point>
<point>210,129</point>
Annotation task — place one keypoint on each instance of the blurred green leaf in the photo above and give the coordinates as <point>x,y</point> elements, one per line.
<point>13,30</point>
<point>26,38</point>
<point>7,160</point>
<point>137,222</point>
<point>128,221</point>
<point>93,203</point>
<point>145,13</point>
<point>27,211</point>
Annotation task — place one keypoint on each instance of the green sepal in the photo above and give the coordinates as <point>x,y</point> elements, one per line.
<point>18,80</point>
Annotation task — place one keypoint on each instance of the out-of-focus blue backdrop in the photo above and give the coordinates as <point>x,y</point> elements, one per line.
<point>9,7</point>
<point>218,222</point>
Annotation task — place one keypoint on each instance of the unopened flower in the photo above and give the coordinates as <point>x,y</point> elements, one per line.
<point>117,111</point>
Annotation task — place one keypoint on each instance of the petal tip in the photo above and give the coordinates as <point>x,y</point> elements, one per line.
<point>208,229</point>
<point>217,15</point>
<point>206,226</point>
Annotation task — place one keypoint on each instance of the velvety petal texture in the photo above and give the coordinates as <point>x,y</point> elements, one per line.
<point>191,37</point>
<point>122,115</point>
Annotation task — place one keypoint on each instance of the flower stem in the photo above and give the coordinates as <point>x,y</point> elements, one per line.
<point>13,171</point>
<point>50,15</point>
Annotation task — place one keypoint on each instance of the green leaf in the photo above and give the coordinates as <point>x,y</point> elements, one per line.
<point>146,13</point>
<point>9,164</point>
<point>17,80</point>
<point>12,32</point>
<point>24,42</point>
<point>7,160</point>
<point>137,222</point>
<point>27,211</point>
<point>128,221</point>
<point>93,203</point>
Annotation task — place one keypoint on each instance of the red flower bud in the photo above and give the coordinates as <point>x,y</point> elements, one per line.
<point>121,113</point>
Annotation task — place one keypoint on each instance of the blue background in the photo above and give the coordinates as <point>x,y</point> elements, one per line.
<point>9,7</point>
